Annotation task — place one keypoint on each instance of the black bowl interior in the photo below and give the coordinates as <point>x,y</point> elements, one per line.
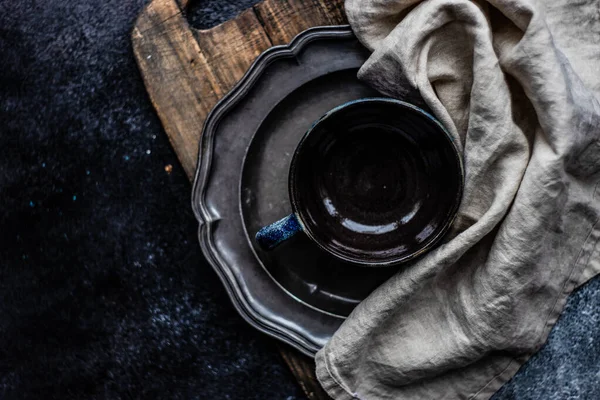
<point>376,182</point>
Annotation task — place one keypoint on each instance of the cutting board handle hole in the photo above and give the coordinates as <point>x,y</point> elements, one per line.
<point>206,14</point>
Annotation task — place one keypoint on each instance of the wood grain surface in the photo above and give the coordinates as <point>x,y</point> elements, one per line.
<point>187,70</point>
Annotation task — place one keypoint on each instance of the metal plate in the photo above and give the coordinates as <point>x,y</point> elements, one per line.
<point>296,293</point>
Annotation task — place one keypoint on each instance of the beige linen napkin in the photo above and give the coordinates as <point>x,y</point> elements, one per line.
<point>517,84</point>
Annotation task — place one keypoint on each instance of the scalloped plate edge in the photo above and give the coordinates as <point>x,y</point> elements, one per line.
<point>207,220</point>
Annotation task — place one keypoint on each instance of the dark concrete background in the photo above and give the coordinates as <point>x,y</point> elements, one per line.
<point>104,292</point>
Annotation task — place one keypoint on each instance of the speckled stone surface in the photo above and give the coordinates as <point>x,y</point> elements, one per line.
<point>568,365</point>
<point>104,292</point>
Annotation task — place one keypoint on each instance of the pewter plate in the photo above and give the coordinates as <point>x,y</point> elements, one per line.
<point>297,293</point>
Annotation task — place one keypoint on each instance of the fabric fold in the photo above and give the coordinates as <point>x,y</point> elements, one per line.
<point>524,108</point>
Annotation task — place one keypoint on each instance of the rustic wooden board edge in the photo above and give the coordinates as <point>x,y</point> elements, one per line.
<point>181,87</point>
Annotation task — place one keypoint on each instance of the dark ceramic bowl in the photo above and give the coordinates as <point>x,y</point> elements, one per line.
<point>374,182</point>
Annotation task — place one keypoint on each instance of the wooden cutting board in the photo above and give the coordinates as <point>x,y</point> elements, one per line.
<point>187,70</point>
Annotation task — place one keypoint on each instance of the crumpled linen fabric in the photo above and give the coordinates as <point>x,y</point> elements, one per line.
<point>517,84</point>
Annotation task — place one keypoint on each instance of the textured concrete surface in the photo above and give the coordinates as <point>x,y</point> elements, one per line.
<point>104,292</point>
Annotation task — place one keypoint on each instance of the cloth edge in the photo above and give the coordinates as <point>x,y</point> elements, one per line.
<point>327,381</point>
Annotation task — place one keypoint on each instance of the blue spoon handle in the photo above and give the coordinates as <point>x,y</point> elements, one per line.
<point>272,235</point>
